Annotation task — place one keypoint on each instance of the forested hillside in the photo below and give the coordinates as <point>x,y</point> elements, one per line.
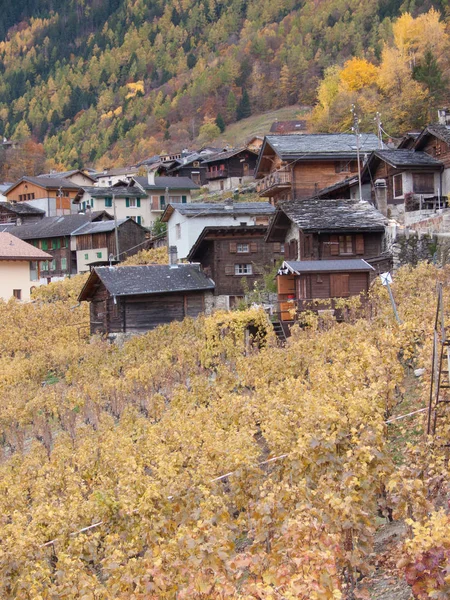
<point>114,81</point>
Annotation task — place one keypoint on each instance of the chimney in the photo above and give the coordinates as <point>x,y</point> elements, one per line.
<point>444,116</point>
<point>173,256</point>
<point>151,177</point>
<point>228,204</point>
<point>381,195</point>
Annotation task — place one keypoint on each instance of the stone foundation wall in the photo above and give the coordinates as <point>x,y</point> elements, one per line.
<point>410,247</point>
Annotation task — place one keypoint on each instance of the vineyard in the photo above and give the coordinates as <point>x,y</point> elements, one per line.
<point>196,463</point>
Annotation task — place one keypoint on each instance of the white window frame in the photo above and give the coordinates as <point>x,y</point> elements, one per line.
<point>393,185</point>
<point>242,248</point>
<point>132,203</point>
<point>243,269</point>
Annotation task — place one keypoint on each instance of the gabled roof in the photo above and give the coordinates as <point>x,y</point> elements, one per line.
<point>47,183</point>
<point>49,227</point>
<point>147,279</point>
<point>12,248</point>
<point>297,267</point>
<point>229,154</point>
<point>218,231</point>
<point>203,209</point>
<point>22,208</point>
<point>407,158</point>
<point>173,183</point>
<point>328,215</point>
<point>101,227</point>
<point>114,172</point>
<point>67,174</point>
<point>442,132</point>
<point>121,191</point>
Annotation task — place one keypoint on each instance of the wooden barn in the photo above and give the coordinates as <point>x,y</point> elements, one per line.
<point>302,285</point>
<point>137,299</point>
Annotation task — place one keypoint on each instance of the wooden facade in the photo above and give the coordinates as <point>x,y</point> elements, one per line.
<point>131,237</point>
<point>325,246</point>
<point>222,252</point>
<point>137,314</point>
<point>25,191</point>
<point>233,164</point>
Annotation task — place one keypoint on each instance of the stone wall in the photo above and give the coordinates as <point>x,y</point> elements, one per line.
<point>408,247</point>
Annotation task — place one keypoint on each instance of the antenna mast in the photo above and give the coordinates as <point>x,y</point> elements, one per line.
<point>355,129</point>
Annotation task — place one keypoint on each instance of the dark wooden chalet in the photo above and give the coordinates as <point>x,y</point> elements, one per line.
<point>19,213</point>
<point>292,167</point>
<point>231,168</point>
<point>340,233</point>
<point>136,299</point>
<point>231,255</point>
<point>435,141</point>
<point>186,166</point>
<point>404,180</point>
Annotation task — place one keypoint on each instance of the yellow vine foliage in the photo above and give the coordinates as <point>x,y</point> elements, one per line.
<point>165,445</point>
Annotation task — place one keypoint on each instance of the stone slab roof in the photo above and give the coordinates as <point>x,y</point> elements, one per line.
<point>407,158</point>
<point>148,279</point>
<point>50,227</point>
<point>173,183</point>
<point>333,215</point>
<point>99,227</point>
<point>326,266</point>
<point>121,191</point>
<point>22,208</point>
<point>197,209</point>
<point>321,144</point>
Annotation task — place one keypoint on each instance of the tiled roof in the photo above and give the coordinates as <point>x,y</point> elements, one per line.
<point>296,146</point>
<point>173,183</point>
<point>49,227</point>
<point>12,248</point>
<point>98,227</point>
<point>228,154</point>
<point>330,215</point>
<point>195,209</point>
<point>326,266</point>
<point>121,191</point>
<point>48,183</point>
<point>407,158</point>
<point>149,279</point>
<point>65,174</point>
<point>22,208</point>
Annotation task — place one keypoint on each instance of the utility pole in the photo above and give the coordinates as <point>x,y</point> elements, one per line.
<point>116,231</point>
<point>379,130</point>
<point>355,129</point>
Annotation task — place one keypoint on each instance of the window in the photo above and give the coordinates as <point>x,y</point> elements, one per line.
<point>131,202</point>
<point>174,199</point>
<point>162,202</point>
<point>342,166</point>
<point>423,183</point>
<point>56,243</point>
<point>33,270</point>
<point>64,264</point>
<point>44,266</point>
<point>184,199</point>
<point>345,244</point>
<point>65,243</point>
<point>108,202</point>
<point>99,254</point>
<point>243,269</point>
<point>178,231</point>
<point>242,248</point>
<point>17,294</point>
<point>398,186</point>
<point>53,265</point>
<point>86,257</point>
<point>196,178</point>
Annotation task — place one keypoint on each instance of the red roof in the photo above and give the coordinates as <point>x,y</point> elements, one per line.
<point>12,248</point>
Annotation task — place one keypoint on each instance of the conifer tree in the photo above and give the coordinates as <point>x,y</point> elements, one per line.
<point>220,123</point>
<point>244,109</point>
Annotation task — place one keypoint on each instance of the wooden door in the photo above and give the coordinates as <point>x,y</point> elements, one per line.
<point>339,285</point>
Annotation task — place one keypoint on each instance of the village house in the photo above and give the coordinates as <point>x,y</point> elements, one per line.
<point>333,247</point>
<point>53,235</point>
<point>236,258</point>
<point>403,181</point>
<point>95,241</point>
<point>55,196</point>
<point>191,166</point>
<point>227,170</point>
<point>185,222</point>
<point>19,213</point>
<point>19,267</point>
<point>77,176</point>
<point>292,167</point>
<point>129,201</point>
<point>136,299</point>
<point>109,177</point>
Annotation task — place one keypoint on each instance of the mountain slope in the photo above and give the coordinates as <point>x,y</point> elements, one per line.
<point>112,81</point>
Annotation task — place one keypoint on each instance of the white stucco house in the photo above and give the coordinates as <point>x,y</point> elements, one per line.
<point>19,267</point>
<point>185,222</point>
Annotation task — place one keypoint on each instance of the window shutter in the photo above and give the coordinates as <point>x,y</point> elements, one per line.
<point>334,245</point>
<point>253,247</point>
<point>139,219</point>
<point>127,202</point>
<point>138,202</point>
<point>59,243</point>
<point>360,244</point>
<point>183,199</point>
<point>154,202</point>
<point>233,247</point>
<point>339,286</point>
<point>229,270</point>
<point>162,200</point>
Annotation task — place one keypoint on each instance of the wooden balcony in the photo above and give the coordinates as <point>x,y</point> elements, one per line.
<point>217,174</point>
<point>274,183</point>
